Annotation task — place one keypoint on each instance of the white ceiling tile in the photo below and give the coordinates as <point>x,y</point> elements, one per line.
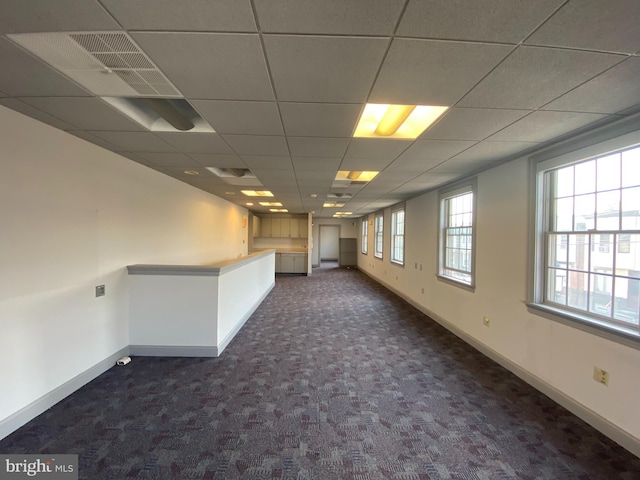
<point>320,119</point>
<point>318,177</point>
<point>323,69</point>
<point>472,123</point>
<point>99,141</point>
<point>88,113</point>
<point>267,162</point>
<point>367,164</point>
<point>168,159</point>
<point>355,17</point>
<point>257,145</point>
<point>502,21</point>
<point>317,147</point>
<point>275,177</point>
<point>18,16</point>
<point>192,16</point>
<point>433,72</point>
<point>376,147</point>
<point>533,76</point>
<point>33,112</point>
<point>610,92</point>
<point>213,66</point>
<point>543,126</point>
<point>610,26</point>
<point>425,154</point>
<point>135,141</point>
<point>219,160</point>
<point>189,142</point>
<point>315,163</point>
<point>482,154</point>
<point>27,76</point>
<point>243,118</point>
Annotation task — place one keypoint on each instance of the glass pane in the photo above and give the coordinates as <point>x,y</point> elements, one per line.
<point>585,208</point>
<point>564,182</point>
<point>558,251</point>
<point>600,294</point>
<point>579,252</point>
<point>609,172</point>
<point>564,214</point>
<point>602,253</point>
<point>631,209</point>
<point>557,286</point>
<point>631,167</point>
<point>577,290</point>
<point>585,177</point>
<point>627,300</point>
<point>628,258</point>
<point>608,210</point>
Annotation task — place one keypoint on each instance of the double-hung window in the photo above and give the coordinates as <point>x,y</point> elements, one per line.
<point>364,238</point>
<point>588,236</point>
<point>378,227</point>
<point>397,235</point>
<point>457,233</point>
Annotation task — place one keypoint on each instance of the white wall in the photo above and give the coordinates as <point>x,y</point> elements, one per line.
<point>72,216</point>
<point>557,357</point>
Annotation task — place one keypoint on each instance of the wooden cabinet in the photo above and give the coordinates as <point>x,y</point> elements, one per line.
<point>273,227</point>
<point>291,263</point>
<point>267,224</point>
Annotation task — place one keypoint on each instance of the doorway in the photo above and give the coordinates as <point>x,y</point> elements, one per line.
<point>329,245</point>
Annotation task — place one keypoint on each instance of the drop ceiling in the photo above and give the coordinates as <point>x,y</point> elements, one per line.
<point>283,82</point>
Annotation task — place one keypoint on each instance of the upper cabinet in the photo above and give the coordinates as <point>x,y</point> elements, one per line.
<point>280,227</point>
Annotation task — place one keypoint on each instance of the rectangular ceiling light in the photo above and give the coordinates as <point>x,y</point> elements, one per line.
<point>396,121</point>
<point>257,193</point>
<point>270,204</point>
<point>333,205</point>
<point>355,176</point>
<point>278,210</point>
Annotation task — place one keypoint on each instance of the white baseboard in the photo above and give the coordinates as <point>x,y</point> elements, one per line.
<point>597,421</point>
<point>35,408</point>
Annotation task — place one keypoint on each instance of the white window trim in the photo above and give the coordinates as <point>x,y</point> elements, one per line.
<point>396,209</point>
<point>377,254</point>
<point>539,164</point>
<point>364,239</point>
<point>457,188</point>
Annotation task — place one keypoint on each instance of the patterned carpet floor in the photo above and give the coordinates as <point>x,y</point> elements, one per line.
<point>333,377</point>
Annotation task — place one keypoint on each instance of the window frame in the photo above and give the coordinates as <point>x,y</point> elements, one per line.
<point>378,234</point>
<point>571,152</point>
<point>469,185</point>
<point>364,236</point>
<point>395,236</point>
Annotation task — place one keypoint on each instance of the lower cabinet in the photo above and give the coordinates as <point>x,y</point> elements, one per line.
<point>291,263</point>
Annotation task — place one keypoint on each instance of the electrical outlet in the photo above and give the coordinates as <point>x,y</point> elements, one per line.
<point>485,321</point>
<point>423,290</point>
<point>100,290</point>
<point>601,376</point>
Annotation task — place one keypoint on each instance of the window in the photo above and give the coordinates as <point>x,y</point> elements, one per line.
<point>365,236</point>
<point>588,237</point>
<point>397,236</point>
<point>377,230</point>
<point>457,232</point>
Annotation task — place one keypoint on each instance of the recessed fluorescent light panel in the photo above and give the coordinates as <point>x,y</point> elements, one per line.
<point>396,121</point>
<point>333,205</point>
<point>278,210</point>
<point>270,204</point>
<point>355,176</point>
<point>257,193</point>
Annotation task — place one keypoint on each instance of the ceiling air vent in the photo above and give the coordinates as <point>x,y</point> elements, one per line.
<point>236,176</point>
<point>105,63</point>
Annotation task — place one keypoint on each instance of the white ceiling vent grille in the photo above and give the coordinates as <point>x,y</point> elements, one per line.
<point>105,63</point>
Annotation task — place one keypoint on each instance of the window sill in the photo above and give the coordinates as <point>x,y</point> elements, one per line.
<point>451,281</point>
<point>615,333</point>
<point>397,264</point>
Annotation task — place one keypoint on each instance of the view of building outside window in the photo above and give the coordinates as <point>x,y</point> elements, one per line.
<point>458,237</point>
<point>593,259</point>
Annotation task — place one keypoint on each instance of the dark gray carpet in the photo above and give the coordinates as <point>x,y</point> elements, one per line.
<point>333,377</point>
